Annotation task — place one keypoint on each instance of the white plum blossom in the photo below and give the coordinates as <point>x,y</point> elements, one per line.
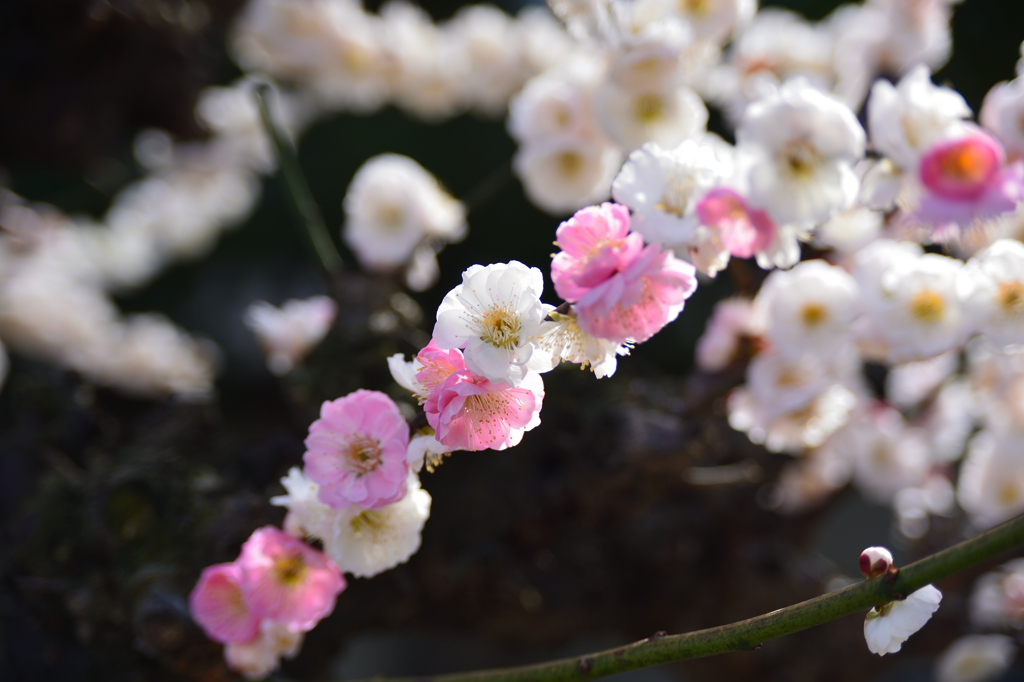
<point>913,309</point>
<point>360,541</point>
<point>565,172</point>
<point>1002,113</point>
<point>496,315</point>
<point>425,451</point>
<point>391,206</point>
<point>777,45</point>
<point>789,404</point>
<point>732,320</point>
<point>565,341</point>
<point>805,144</point>
<point>556,102</point>
<point>888,626</point>
<point>976,658</point>
<point>288,333</point>
<point>667,115</point>
<point>366,542</point>
<point>258,658</point>
<point>906,119</point>
<point>997,600</point>
<point>663,186</point>
<point>992,287</point>
<point>991,484</point>
<point>910,383</point>
<point>808,309</point>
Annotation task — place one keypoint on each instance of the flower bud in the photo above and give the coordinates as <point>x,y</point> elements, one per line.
<point>875,561</point>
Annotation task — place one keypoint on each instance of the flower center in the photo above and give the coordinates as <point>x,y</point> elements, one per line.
<point>1011,297</point>
<point>801,158</point>
<point>813,314</point>
<point>355,57</point>
<point>698,7</point>
<point>362,455</point>
<point>928,306</point>
<point>966,163</point>
<point>569,163</point>
<point>290,570</point>
<point>677,195</point>
<point>648,107</point>
<point>1008,494</point>
<point>500,328</point>
<point>390,216</point>
<point>370,521</point>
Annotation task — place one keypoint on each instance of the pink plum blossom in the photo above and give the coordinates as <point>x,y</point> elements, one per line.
<point>596,243</point>
<point>285,580</point>
<point>967,179</point>
<point>468,412</point>
<point>356,451</point>
<point>218,605</point>
<point>743,230</point>
<point>437,365</point>
<point>635,303</point>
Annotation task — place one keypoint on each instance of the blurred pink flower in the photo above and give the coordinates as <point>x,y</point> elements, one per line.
<point>286,580</point>
<point>218,605</point>
<point>469,412</point>
<point>356,451</point>
<point>437,365</point>
<point>743,231</point>
<point>596,243</point>
<point>635,303</point>
<point>967,179</point>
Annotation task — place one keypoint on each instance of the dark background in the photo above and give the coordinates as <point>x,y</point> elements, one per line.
<point>588,535</point>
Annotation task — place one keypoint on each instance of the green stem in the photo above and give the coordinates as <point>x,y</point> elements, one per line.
<point>298,189</point>
<point>751,633</point>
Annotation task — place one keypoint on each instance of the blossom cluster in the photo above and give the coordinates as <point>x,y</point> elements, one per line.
<point>915,217</point>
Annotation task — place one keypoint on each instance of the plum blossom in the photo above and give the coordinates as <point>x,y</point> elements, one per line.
<point>991,483</point>
<point>258,657</point>
<point>565,340</point>
<point>217,604</point>
<point>621,293</point>
<point>355,451</point>
<point>288,333</point>
<point>907,118</point>
<point>967,180</point>
<point>468,412</point>
<point>1002,113</point>
<point>804,144</point>
<point>595,243</point>
<point>912,308</point>
<point>992,286</point>
<point>564,172</point>
<point>888,626</point>
<point>391,206</point>
<point>495,315</point>
<point>663,187</point>
<point>287,581</point>
<point>732,320</point>
<point>976,658</point>
<point>997,600</point>
<point>365,542</point>
<point>809,309</point>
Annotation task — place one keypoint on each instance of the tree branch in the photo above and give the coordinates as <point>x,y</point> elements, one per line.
<point>298,189</point>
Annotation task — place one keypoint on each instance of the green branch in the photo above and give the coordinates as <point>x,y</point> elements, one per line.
<point>298,189</point>
<point>751,633</point>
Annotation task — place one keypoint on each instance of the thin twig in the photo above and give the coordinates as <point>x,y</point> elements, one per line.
<point>298,189</point>
<point>749,634</point>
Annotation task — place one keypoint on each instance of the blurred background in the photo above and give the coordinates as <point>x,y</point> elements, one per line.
<point>599,529</point>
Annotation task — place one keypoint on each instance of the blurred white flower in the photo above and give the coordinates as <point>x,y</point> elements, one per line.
<point>663,186</point>
<point>563,173</point>
<point>806,143</point>
<point>906,119</point>
<point>391,206</point>
<point>258,658</point>
<point>288,333</point>
<point>991,484</point>
<point>976,658</point>
<point>992,287</point>
<point>1002,113</point>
